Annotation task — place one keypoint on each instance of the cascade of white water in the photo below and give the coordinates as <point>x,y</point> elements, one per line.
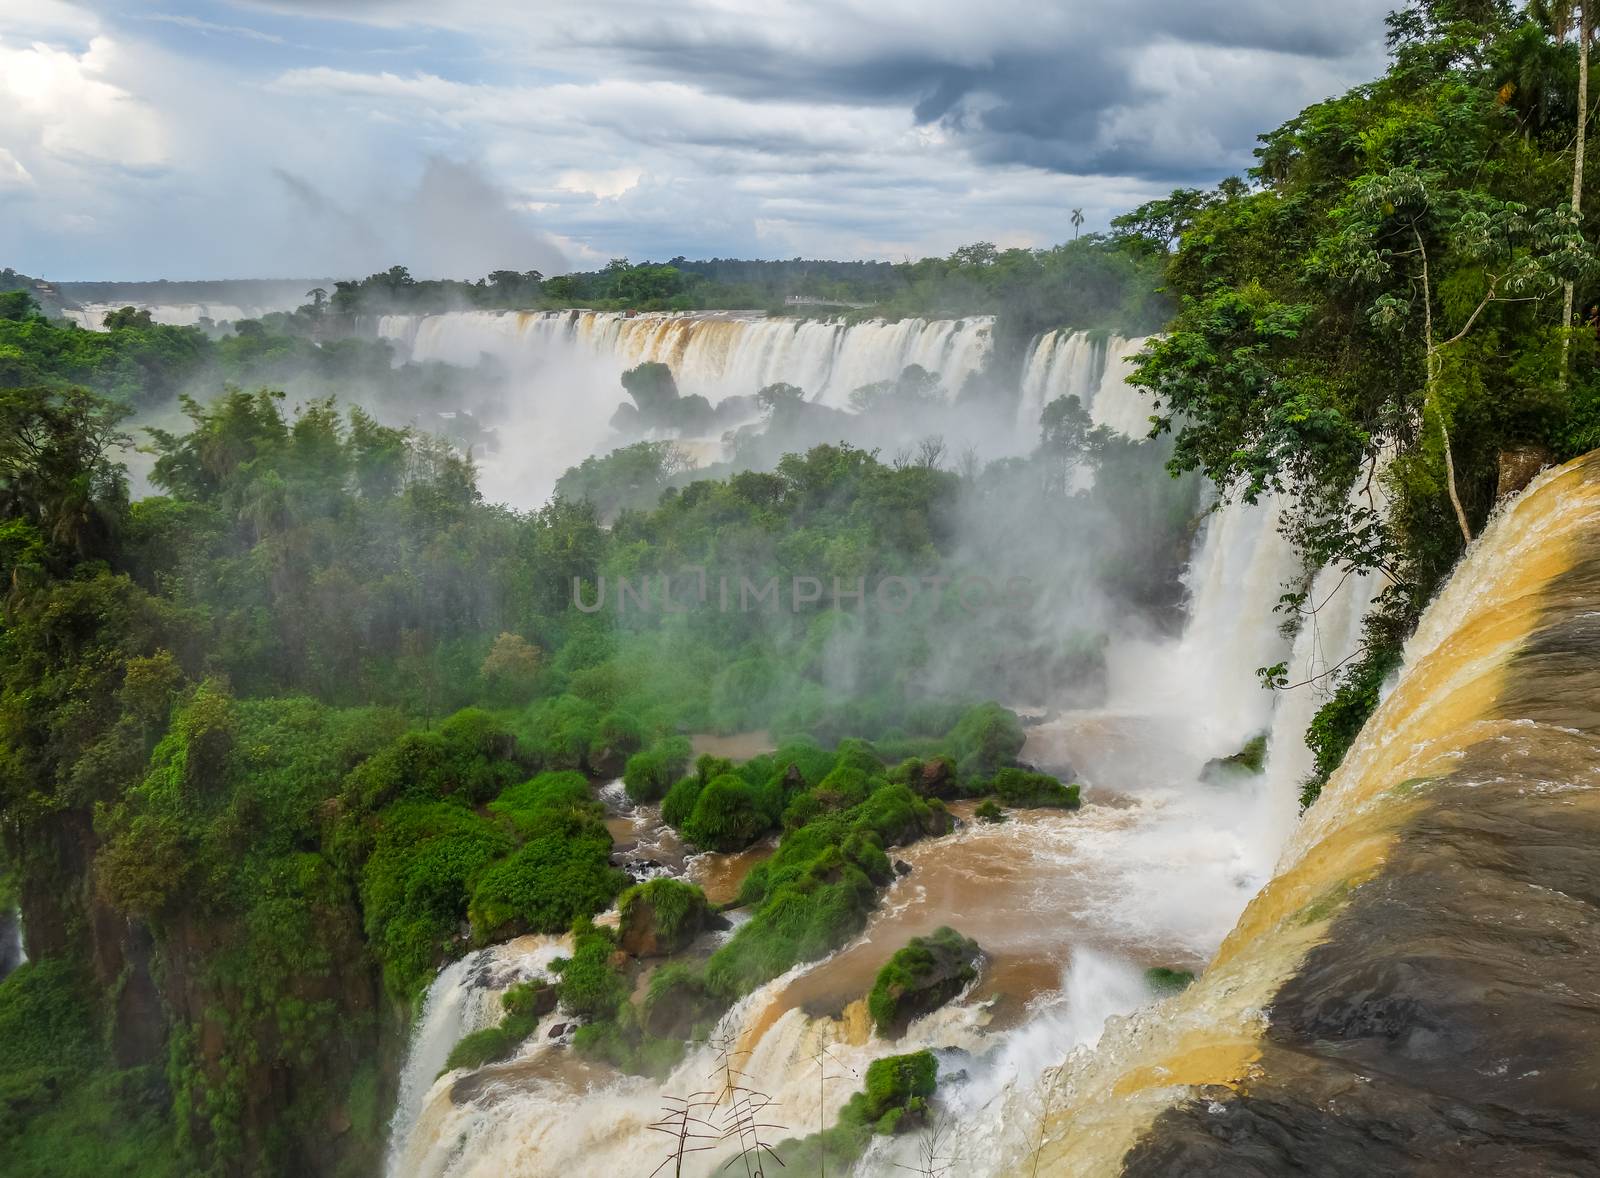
<point>1117,404</point>
<point>464,998</point>
<point>715,355</point>
<point>1204,684</point>
<point>12,953</point>
<point>1061,364</point>
<point>92,315</point>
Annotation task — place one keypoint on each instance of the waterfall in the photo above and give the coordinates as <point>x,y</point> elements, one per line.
<point>1091,366</point>
<point>12,954</point>
<point>713,354</point>
<point>92,315</point>
<point>464,998</point>
<point>1117,404</point>
<point>1420,949</point>
<point>1061,364</point>
<point>1204,683</point>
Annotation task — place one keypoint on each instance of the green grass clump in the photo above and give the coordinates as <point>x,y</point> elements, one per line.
<point>651,773</point>
<point>1022,788</point>
<point>988,811</point>
<point>727,816</point>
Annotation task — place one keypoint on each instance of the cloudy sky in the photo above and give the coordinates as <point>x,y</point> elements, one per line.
<point>290,138</point>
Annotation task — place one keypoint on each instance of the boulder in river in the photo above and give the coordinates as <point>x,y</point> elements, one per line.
<point>921,978</point>
<point>661,917</point>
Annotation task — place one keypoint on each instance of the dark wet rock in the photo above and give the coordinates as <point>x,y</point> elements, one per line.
<point>1518,466</point>
<point>557,1031</point>
<point>921,978</point>
<point>937,779</point>
<point>901,867</point>
<point>1449,1023</point>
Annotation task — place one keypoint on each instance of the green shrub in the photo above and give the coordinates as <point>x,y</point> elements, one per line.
<point>651,773</point>
<point>563,792</point>
<point>471,756</point>
<point>1028,790</point>
<point>680,802</point>
<point>727,816</point>
<point>984,741</point>
<point>559,733</point>
<point>415,885</point>
<point>590,988</point>
<point>989,812</point>
<point>563,871</point>
<point>1339,721</point>
<point>897,1093</point>
<point>619,733</point>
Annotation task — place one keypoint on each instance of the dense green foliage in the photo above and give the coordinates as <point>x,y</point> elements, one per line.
<point>1373,319</point>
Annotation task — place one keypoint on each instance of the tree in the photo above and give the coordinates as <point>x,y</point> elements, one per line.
<point>1585,31</point>
<point>1077,222</point>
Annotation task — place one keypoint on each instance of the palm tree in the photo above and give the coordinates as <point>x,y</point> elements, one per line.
<point>1077,222</point>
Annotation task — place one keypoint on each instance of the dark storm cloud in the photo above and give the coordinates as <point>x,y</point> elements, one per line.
<point>1047,96</point>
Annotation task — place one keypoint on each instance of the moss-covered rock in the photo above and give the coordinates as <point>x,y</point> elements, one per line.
<point>676,1002</point>
<point>661,917</point>
<point>989,811</point>
<point>921,978</point>
<point>1028,790</point>
<point>1247,762</point>
<point>525,1004</point>
<point>1168,981</point>
<point>897,1093</point>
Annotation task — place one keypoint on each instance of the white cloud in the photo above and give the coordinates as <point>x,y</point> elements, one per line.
<point>12,173</point>
<point>608,128</point>
<point>61,103</point>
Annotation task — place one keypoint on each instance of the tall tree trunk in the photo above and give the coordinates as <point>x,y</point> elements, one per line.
<point>1577,170</point>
